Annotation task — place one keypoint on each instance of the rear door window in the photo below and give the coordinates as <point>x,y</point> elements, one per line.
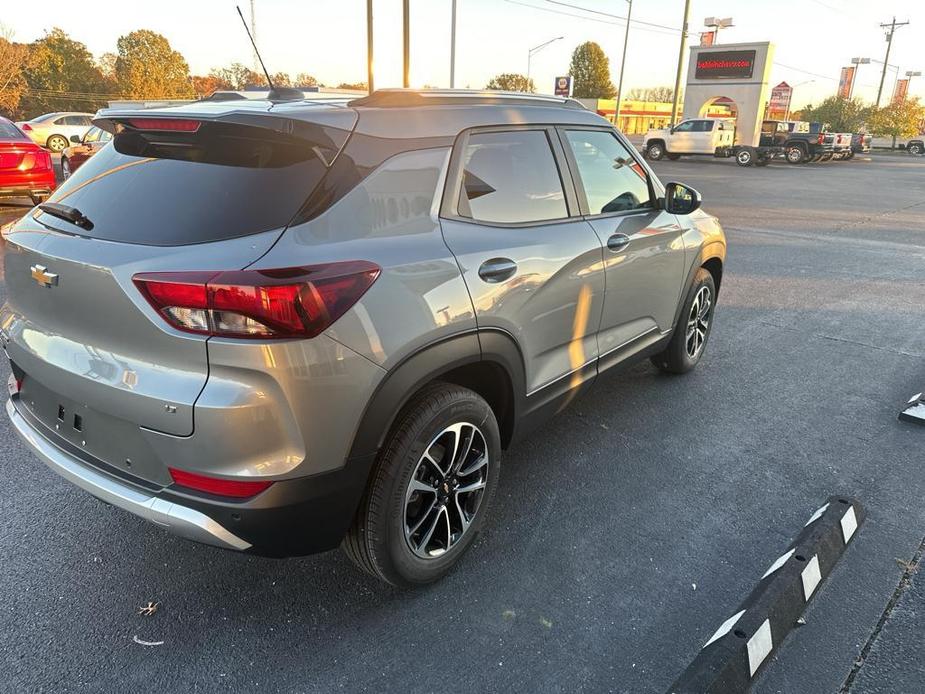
<point>8,131</point>
<point>223,181</point>
<point>511,177</point>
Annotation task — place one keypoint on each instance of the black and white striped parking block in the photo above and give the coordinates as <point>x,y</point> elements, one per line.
<point>914,411</point>
<point>733,655</point>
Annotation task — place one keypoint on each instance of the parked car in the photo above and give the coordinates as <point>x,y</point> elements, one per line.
<point>83,149</point>
<point>54,130</point>
<point>807,142</point>
<point>427,276</point>
<point>25,168</point>
<point>915,147</point>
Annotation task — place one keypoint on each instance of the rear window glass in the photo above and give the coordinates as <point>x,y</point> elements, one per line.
<point>8,131</point>
<point>169,189</point>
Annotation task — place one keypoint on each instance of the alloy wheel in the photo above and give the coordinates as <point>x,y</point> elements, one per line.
<point>698,322</point>
<point>445,490</point>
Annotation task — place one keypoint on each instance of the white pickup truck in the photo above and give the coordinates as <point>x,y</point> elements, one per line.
<point>713,136</point>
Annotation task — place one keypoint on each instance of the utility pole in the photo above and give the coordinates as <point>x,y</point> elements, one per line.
<point>257,67</point>
<point>677,79</point>
<point>406,47</point>
<point>369,46</point>
<point>626,38</point>
<point>889,44</point>
<point>453,47</point>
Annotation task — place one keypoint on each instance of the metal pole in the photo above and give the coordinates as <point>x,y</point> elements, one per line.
<point>677,79</point>
<point>626,38</point>
<point>369,46</point>
<point>453,48</point>
<point>529,56</point>
<point>406,48</point>
<point>889,44</point>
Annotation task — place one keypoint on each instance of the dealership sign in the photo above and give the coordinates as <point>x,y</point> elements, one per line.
<point>780,97</point>
<point>719,65</point>
<point>900,91</point>
<point>845,82</point>
<point>563,86</point>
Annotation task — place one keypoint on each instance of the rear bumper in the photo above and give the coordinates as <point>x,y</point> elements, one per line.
<point>292,518</point>
<point>180,520</point>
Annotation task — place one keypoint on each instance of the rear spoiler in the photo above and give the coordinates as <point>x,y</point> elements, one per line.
<point>324,125</point>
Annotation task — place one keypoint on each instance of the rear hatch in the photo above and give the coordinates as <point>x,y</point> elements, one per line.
<point>171,193</point>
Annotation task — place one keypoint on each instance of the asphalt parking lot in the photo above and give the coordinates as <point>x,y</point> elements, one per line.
<point>622,534</point>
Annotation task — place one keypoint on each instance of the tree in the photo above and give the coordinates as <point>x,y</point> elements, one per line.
<point>659,94</point>
<point>303,79</point>
<point>148,68</point>
<point>62,76</point>
<point>511,82</point>
<point>356,86</point>
<point>842,115</point>
<point>899,119</point>
<point>239,76</point>
<point>14,57</point>
<point>590,71</point>
<point>281,79</point>
<point>204,85</point>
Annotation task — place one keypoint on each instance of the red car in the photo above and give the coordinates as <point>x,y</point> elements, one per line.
<point>82,149</point>
<point>25,168</point>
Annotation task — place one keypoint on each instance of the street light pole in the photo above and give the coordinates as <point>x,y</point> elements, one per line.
<point>858,62</point>
<point>369,46</point>
<point>406,43</point>
<point>677,79</point>
<point>453,47</point>
<point>626,38</point>
<point>537,49</point>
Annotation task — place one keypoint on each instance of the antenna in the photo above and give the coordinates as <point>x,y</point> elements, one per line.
<point>256,52</point>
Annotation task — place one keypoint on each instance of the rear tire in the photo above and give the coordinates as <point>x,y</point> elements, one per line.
<point>655,151</point>
<point>65,168</point>
<point>796,155</point>
<point>915,148</point>
<point>695,322</point>
<point>417,488</point>
<point>745,156</point>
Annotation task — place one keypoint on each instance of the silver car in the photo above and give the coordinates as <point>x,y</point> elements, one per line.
<point>55,130</point>
<point>282,327</point>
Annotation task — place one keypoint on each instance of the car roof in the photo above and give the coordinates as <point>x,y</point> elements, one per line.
<point>393,113</point>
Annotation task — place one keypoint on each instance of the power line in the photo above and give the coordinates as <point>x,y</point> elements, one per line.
<point>615,16</point>
<point>589,19</point>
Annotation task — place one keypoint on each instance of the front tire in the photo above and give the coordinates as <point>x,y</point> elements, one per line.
<point>431,488</point>
<point>655,151</point>
<point>745,156</point>
<point>915,148</point>
<point>692,330</point>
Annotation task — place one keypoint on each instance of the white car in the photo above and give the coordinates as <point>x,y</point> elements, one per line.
<point>54,130</point>
<point>691,136</point>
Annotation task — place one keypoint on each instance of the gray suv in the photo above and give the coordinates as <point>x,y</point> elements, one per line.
<point>280,327</point>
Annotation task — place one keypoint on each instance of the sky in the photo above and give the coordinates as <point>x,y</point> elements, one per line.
<point>813,38</point>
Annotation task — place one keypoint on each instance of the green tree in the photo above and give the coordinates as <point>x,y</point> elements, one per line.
<point>148,68</point>
<point>842,115</point>
<point>590,71</point>
<point>62,76</point>
<point>899,119</point>
<point>511,82</point>
<point>238,76</point>
<point>14,57</point>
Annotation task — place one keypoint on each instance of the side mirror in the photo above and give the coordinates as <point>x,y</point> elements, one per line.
<point>681,199</point>
<point>75,139</point>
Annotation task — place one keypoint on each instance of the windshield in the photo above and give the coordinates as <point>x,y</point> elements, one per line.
<point>168,189</point>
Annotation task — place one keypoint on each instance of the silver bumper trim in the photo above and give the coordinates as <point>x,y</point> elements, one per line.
<point>178,519</point>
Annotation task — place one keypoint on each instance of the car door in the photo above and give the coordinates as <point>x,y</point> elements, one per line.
<point>702,136</point>
<point>681,140</point>
<point>532,265</point>
<point>644,258</point>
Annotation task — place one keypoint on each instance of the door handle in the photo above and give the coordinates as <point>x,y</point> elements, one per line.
<point>497,270</point>
<point>617,241</point>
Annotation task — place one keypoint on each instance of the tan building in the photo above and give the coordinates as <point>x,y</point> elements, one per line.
<point>636,117</point>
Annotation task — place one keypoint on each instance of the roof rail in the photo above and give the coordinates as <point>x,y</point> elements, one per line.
<point>386,98</point>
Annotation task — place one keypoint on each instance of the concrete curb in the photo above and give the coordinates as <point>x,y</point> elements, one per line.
<point>731,658</point>
<point>914,410</point>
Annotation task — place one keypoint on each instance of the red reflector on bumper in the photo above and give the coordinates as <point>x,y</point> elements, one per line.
<point>239,489</point>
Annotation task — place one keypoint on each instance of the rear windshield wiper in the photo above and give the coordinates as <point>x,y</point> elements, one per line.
<point>67,213</point>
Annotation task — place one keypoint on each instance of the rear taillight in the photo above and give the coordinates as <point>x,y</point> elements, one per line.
<point>821,139</point>
<point>298,302</point>
<point>37,161</point>
<point>26,127</point>
<point>238,489</point>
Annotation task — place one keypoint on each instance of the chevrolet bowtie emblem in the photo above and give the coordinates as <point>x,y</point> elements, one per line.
<point>41,275</point>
